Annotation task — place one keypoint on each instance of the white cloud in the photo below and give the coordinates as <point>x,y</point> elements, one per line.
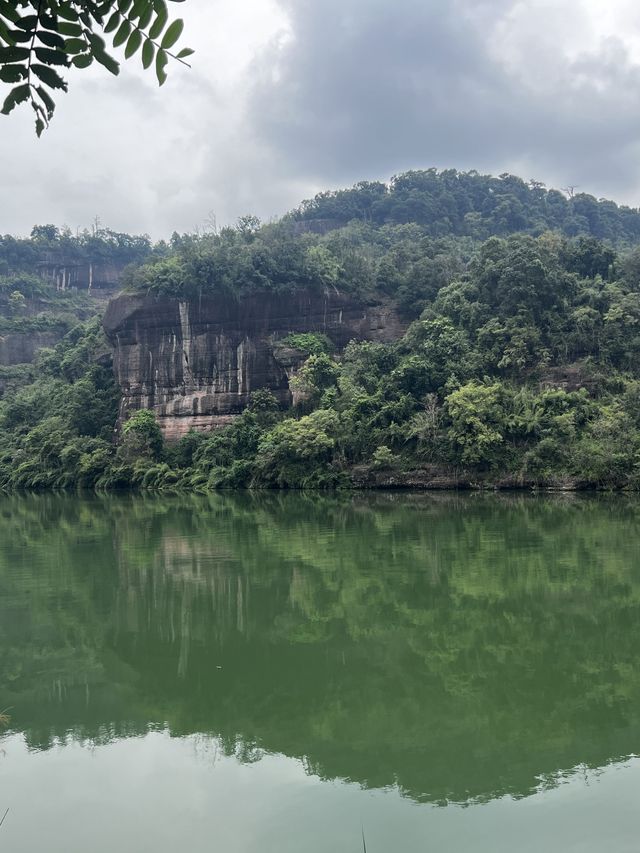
<point>135,154</point>
<point>286,97</point>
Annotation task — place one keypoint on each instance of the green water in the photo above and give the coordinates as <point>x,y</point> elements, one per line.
<point>275,673</point>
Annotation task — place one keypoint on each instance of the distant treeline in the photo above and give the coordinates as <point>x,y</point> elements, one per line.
<point>47,243</point>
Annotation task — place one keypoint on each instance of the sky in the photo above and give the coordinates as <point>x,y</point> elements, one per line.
<point>286,98</point>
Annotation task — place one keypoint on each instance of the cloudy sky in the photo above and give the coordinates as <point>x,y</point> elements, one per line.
<point>287,97</point>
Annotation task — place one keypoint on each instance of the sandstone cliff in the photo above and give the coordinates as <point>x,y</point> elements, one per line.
<point>20,342</point>
<point>195,364</point>
<point>22,347</point>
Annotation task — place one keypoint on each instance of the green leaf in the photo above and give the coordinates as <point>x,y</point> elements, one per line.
<point>12,73</point>
<point>46,99</point>
<point>135,40</point>
<point>51,57</point>
<point>13,54</point>
<point>19,36</point>
<point>124,5</point>
<point>67,11</point>
<point>107,62</point>
<point>48,76</point>
<point>29,22</point>
<point>123,34</point>
<point>113,22</point>
<point>186,51</point>
<point>49,22</point>
<point>40,126</point>
<point>148,52</point>
<point>172,34</point>
<point>68,29</point>
<point>6,34</point>
<point>51,39</point>
<point>75,46</point>
<point>140,8</point>
<point>9,11</point>
<point>97,43</point>
<point>160,22</point>
<point>83,60</point>
<point>161,61</point>
<point>16,96</point>
<point>146,16</point>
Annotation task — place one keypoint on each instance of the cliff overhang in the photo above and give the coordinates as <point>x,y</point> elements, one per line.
<point>196,363</point>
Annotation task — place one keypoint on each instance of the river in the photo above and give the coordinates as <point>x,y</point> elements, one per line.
<point>292,672</point>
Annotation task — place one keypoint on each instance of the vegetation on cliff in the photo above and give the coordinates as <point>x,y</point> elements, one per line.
<point>407,238</point>
<point>521,364</point>
<point>23,258</point>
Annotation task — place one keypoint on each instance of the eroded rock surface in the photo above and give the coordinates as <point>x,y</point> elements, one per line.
<point>22,347</point>
<point>195,364</point>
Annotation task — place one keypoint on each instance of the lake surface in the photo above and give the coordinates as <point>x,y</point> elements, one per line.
<point>282,673</point>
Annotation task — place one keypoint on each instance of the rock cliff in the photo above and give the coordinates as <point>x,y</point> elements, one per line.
<point>22,347</point>
<point>20,337</point>
<point>195,364</point>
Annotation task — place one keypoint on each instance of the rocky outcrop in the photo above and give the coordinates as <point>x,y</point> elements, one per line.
<point>195,364</point>
<point>22,347</point>
<point>73,274</point>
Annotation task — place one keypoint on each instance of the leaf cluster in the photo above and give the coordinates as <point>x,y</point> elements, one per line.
<point>39,39</point>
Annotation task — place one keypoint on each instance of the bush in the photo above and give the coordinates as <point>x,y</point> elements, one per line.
<point>383,458</point>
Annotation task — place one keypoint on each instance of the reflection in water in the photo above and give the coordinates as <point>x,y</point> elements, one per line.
<point>459,648</point>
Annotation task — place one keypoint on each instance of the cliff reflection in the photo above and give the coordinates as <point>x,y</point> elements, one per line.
<point>458,647</point>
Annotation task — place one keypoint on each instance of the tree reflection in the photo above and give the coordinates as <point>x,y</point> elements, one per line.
<point>458,647</point>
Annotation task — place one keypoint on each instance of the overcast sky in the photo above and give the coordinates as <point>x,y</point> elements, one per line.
<point>287,97</point>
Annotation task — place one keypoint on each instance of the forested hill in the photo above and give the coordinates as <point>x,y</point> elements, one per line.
<point>520,364</point>
<point>54,259</point>
<point>406,239</point>
<point>469,204</point>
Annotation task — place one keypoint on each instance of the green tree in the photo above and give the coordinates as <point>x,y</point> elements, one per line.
<point>297,453</point>
<point>477,422</point>
<point>142,436</point>
<point>17,302</point>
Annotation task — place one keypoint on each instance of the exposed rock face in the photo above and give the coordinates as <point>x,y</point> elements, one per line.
<point>197,363</point>
<point>21,347</point>
<point>71,274</point>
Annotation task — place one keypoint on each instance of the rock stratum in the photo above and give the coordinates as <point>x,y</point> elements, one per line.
<point>195,364</point>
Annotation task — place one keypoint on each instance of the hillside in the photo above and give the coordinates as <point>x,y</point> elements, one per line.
<point>519,366</point>
<point>452,203</point>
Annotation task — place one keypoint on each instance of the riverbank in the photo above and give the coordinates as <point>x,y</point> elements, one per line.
<point>438,478</point>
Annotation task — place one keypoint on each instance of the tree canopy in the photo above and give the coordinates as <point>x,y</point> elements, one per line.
<point>40,38</point>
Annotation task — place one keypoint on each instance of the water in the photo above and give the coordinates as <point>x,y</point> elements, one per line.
<point>278,673</point>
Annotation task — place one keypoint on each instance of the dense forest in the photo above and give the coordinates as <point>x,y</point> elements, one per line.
<point>520,365</point>
<point>469,204</point>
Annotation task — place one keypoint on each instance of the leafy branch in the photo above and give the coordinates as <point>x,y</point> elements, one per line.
<point>38,37</point>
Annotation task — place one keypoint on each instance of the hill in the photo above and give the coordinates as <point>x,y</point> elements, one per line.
<point>520,365</point>
<point>469,204</point>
